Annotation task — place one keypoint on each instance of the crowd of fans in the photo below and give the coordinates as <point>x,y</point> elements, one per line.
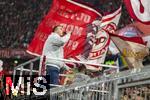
<point>136,93</point>
<point>19,19</point>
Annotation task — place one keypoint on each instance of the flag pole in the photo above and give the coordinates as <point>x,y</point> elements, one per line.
<point>83,62</point>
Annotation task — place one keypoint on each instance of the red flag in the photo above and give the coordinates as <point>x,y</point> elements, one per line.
<point>139,10</point>
<point>74,17</point>
<point>100,41</point>
<point>113,17</point>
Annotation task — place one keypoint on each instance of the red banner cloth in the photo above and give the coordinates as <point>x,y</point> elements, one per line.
<point>74,17</point>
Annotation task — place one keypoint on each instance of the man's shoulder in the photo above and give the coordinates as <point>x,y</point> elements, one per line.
<point>53,35</point>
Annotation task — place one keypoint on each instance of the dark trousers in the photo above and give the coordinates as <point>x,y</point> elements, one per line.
<point>53,74</point>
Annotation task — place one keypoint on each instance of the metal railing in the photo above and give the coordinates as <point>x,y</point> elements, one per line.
<point>30,68</point>
<point>105,87</point>
<point>102,88</point>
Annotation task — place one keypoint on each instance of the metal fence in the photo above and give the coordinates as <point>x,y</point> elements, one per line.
<point>105,87</point>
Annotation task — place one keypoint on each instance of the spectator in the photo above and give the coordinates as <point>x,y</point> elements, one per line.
<point>53,47</point>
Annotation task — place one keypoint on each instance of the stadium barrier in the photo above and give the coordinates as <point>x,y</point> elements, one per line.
<point>105,87</point>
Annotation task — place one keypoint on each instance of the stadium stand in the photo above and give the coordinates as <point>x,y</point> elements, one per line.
<point>19,20</point>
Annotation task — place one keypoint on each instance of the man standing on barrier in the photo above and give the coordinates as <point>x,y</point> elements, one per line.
<point>53,48</point>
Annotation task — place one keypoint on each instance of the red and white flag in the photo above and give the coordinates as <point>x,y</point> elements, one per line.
<point>86,43</point>
<point>139,10</point>
<point>75,18</point>
<point>99,41</point>
<point>113,17</point>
